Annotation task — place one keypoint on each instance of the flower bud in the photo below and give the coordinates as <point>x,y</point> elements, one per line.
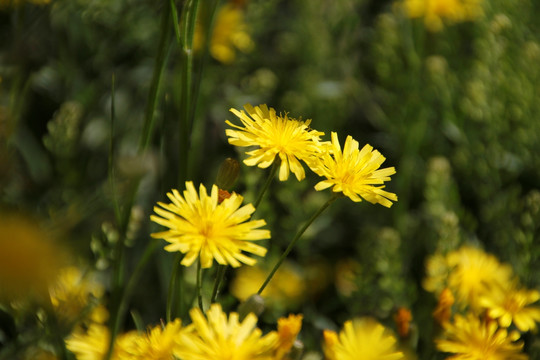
<point>253,304</point>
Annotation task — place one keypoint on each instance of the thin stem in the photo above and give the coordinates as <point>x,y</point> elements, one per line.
<point>217,284</point>
<point>199,285</point>
<point>172,286</point>
<point>295,239</point>
<point>271,176</point>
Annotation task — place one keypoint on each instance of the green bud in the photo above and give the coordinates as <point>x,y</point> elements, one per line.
<point>227,174</point>
<point>253,304</point>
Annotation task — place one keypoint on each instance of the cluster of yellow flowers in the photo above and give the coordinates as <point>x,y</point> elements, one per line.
<point>492,307</point>
<point>435,12</point>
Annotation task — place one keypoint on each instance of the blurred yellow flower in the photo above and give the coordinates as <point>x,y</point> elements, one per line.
<point>354,172</point>
<point>471,339</point>
<point>435,11</point>
<point>288,285</point>
<point>157,344</point>
<point>29,260</point>
<point>288,330</point>
<point>93,343</point>
<point>72,292</point>
<point>219,337</point>
<point>292,140</point>
<point>201,227</point>
<point>361,338</point>
<point>443,311</point>
<point>512,306</point>
<point>473,273</point>
<point>437,272</point>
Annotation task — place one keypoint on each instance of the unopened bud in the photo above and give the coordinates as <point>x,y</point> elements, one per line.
<point>254,304</point>
<point>228,173</point>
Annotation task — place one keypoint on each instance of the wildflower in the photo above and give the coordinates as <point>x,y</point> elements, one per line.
<point>435,11</point>
<point>288,329</point>
<point>472,339</point>
<point>157,344</point>
<point>200,227</point>
<point>511,306</point>
<point>292,140</point>
<point>230,33</point>
<point>354,172</point>
<point>473,273</point>
<point>72,292</point>
<point>443,311</point>
<point>29,260</point>
<point>361,337</point>
<point>93,344</point>
<point>437,272</point>
<point>220,338</point>
<point>403,318</point>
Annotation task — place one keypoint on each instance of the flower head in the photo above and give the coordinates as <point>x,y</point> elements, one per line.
<point>354,172</point>
<point>219,337</point>
<point>362,336</point>
<point>512,306</point>
<point>157,344</point>
<point>435,11</point>
<point>288,329</point>
<point>93,344</point>
<point>292,140</point>
<point>472,339</point>
<point>200,226</point>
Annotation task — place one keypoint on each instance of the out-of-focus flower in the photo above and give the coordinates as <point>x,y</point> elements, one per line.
<point>403,318</point>
<point>200,227</point>
<point>354,172</point>
<point>157,344</point>
<point>437,271</point>
<point>29,260</point>
<point>6,4</point>
<point>473,273</point>
<point>435,12</point>
<point>288,285</point>
<point>290,139</point>
<point>93,344</point>
<point>472,339</point>
<point>361,338</point>
<point>219,337</point>
<point>288,330</point>
<point>230,33</point>
<point>72,292</point>
<point>443,311</point>
<point>512,306</point>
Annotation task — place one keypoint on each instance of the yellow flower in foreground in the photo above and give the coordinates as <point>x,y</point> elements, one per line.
<point>354,172</point>
<point>217,337</point>
<point>361,338</point>
<point>473,273</point>
<point>94,343</point>
<point>288,330</point>
<point>292,140</point>
<point>471,339</point>
<point>199,226</point>
<point>157,344</point>
<point>511,306</point>
<point>435,11</point>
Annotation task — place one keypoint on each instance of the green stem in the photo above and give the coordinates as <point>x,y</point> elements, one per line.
<point>295,239</point>
<point>271,176</point>
<point>199,285</point>
<point>217,284</point>
<point>171,296</point>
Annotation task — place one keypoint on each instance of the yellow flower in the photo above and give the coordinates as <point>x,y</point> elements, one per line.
<point>435,11</point>
<point>443,311</point>
<point>217,337</point>
<point>437,272</point>
<point>93,344</point>
<point>157,344</point>
<point>361,338</point>
<point>72,291</point>
<point>354,172</point>
<point>292,140</point>
<point>288,329</point>
<point>511,306</point>
<point>199,226</point>
<point>472,339</point>
<point>29,260</point>
<point>473,273</point>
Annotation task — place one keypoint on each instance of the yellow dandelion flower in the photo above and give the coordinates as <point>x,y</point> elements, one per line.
<point>289,139</point>
<point>229,33</point>
<point>435,12</point>
<point>72,291</point>
<point>200,226</point>
<point>217,337</point>
<point>443,311</point>
<point>157,344</point>
<point>364,338</point>
<point>512,306</point>
<point>473,273</point>
<point>354,172</point>
<point>288,330</point>
<point>471,339</point>
<point>29,260</point>
<point>93,344</point>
